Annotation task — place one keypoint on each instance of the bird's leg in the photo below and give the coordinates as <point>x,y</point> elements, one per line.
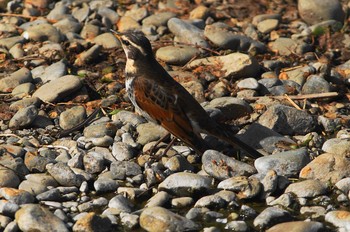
<point>162,139</point>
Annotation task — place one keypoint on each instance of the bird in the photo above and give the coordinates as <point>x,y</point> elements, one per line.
<point>162,100</point>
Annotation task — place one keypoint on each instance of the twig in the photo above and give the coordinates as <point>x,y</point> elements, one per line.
<point>291,102</point>
<point>297,97</point>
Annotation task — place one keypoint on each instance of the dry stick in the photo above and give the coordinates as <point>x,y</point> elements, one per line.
<point>292,102</point>
<point>297,97</point>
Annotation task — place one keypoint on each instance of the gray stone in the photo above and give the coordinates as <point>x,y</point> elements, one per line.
<point>287,120</point>
<point>120,203</point>
<point>128,117</point>
<point>248,83</point>
<point>176,55</point>
<point>107,41</point>
<point>11,41</point>
<point>271,216</point>
<point>185,184</point>
<point>8,178</point>
<point>122,169</point>
<point>287,163</point>
<point>231,108</point>
<point>245,187</point>
<point>37,183</point>
<point>339,218</point>
<point>72,117</point>
<point>103,185</point>
<point>42,32</point>
<point>300,226</point>
<point>21,76</point>
<point>161,219</point>
<point>307,188</point>
<point>67,25</point>
<point>315,84</point>
<point>267,25</point>
<point>222,167</point>
<point>159,199</point>
<point>178,163</point>
<point>99,130</point>
<point>58,89</point>
<point>16,196</point>
<point>159,19</point>
<point>148,132</point>
<point>50,73</point>
<point>23,117</point>
<point>261,17</point>
<point>88,55</point>
<point>93,162</point>
<point>123,151</point>
<point>64,175</point>
<point>23,90</point>
<point>286,46</point>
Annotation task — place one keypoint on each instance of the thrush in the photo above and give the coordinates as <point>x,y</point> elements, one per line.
<point>161,99</point>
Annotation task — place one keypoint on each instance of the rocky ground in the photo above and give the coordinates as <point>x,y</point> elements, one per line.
<point>275,70</point>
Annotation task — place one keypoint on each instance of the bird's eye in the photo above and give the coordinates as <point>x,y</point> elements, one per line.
<point>126,42</point>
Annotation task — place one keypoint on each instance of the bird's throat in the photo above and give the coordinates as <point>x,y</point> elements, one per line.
<point>130,67</point>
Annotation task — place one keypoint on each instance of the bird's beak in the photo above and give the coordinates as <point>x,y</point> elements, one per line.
<point>116,34</point>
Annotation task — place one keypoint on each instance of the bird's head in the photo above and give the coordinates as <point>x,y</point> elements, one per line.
<point>136,46</point>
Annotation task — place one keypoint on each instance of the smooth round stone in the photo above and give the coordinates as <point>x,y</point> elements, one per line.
<point>16,196</point>
<point>67,25</point>
<point>261,17</point>
<point>23,90</point>
<point>122,169</point>
<point>112,15</point>
<point>11,41</point>
<point>285,200</point>
<point>81,13</point>
<point>4,221</point>
<point>222,167</point>
<point>248,83</point>
<point>344,185</point>
<point>123,151</point>
<point>267,25</point>
<point>100,130</point>
<point>58,89</point>
<point>287,46</point>
<point>176,55</point>
<point>51,50</point>
<point>72,117</point>
<point>307,188</point>
<point>178,164</point>
<point>200,12</point>
<point>287,163</point>
<point>50,73</point>
<point>233,65</point>
<point>211,201</point>
<point>127,23</point>
<point>8,178</point>
<point>187,33</point>
<point>244,187</point>
<point>222,36</point>
<point>287,120</point>
<point>239,226</point>
<point>315,84</point>
<point>336,146</point>
<point>161,219</point>
<point>185,184</point>
<point>37,163</point>
<point>50,195</point>
<point>21,76</point>
<point>159,199</point>
<point>130,221</point>
<point>128,117</point>
<point>137,13</point>
<point>17,51</point>
<point>15,151</point>
<point>231,108</point>
<point>315,11</point>
<point>24,117</point>
<point>89,31</point>
<point>92,222</point>
<point>182,202</point>
<point>149,131</point>
<point>339,218</point>
<point>328,167</point>
<point>107,41</point>
<point>37,183</point>
<point>42,32</point>
<point>93,162</point>
<point>271,216</point>
<point>88,55</point>
<point>121,203</point>
<point>298,226</point>
<point>5,28</point>
<point>314,212</point>
<point>64,175</point>
<point>8,208</point>
<point>103,185</point>
<point>31,217</point>
<point>159,19</point>
<point>58,12</point>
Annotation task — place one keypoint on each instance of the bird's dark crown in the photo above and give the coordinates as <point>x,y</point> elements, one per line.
<point>136,45</point>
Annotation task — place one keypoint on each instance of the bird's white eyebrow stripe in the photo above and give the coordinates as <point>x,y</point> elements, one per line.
<point>135,45</point>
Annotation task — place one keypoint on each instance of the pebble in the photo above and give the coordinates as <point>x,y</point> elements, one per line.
<point>161,219</point>
<point>11,41</point>
<point>233,65</point>
<point>148,132</point>
<point>9,179</point>
<point>127,23</point>
<point>107,41</point>
<point>231,108</point>
<point>185,184</point>
<point>51,72</point>
<point>64,175</point>
<point>307,188</point>
<point>92,222</point>
<point>286,46</point>
<point>37,183</point>
<point>267,25</point>
<point>327,167</point>
<point>93,162</point>
<point>159,19</point>
<point>301,226</point>
<point>176,55</point>
<point>239,226</point>
<point>131,221</point>
<point>315,84</point>
<point>72,117</point>
<point>16,196</point>
<point>178,163</point>
<point>24,117</point>
<point>222,167</point>
<point>287,120</point>
<point>317,11</point>
<point>271,216</point>
<point>122,151</point>
<point>23,90</point>
<point>187,33</point>
<point>159,199</point>
<point>339,218</point>
<point>245,187</point>
<point>21,76</point>
<point>88,56</point>
<point>128,117</point>
<point>58,89</point>
<point>122,169</point>
<point>42,32</point>
<point>248,83</point>
<point>288,163</point>
<point>121,203</point>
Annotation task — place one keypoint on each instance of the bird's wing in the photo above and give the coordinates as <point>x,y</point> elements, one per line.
<point>162,105</point>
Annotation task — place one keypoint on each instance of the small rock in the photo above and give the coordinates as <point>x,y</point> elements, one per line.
<point>92,222</point>
<point>64,175</point>
<point>24,117</point>
<point>267,25</point>
<point>300,226</point>
<point>148,132</point>
<point>271,216</point>
<point>72,117</point>
<point>16,196</point>
<point>122,169</point>
<point>307,188</point>
<point>21,76</point>
<point>176,55</point>
<point>245,187</point>
<point>121,204</point>
<point>42,32</point>
<point>339,218</point>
